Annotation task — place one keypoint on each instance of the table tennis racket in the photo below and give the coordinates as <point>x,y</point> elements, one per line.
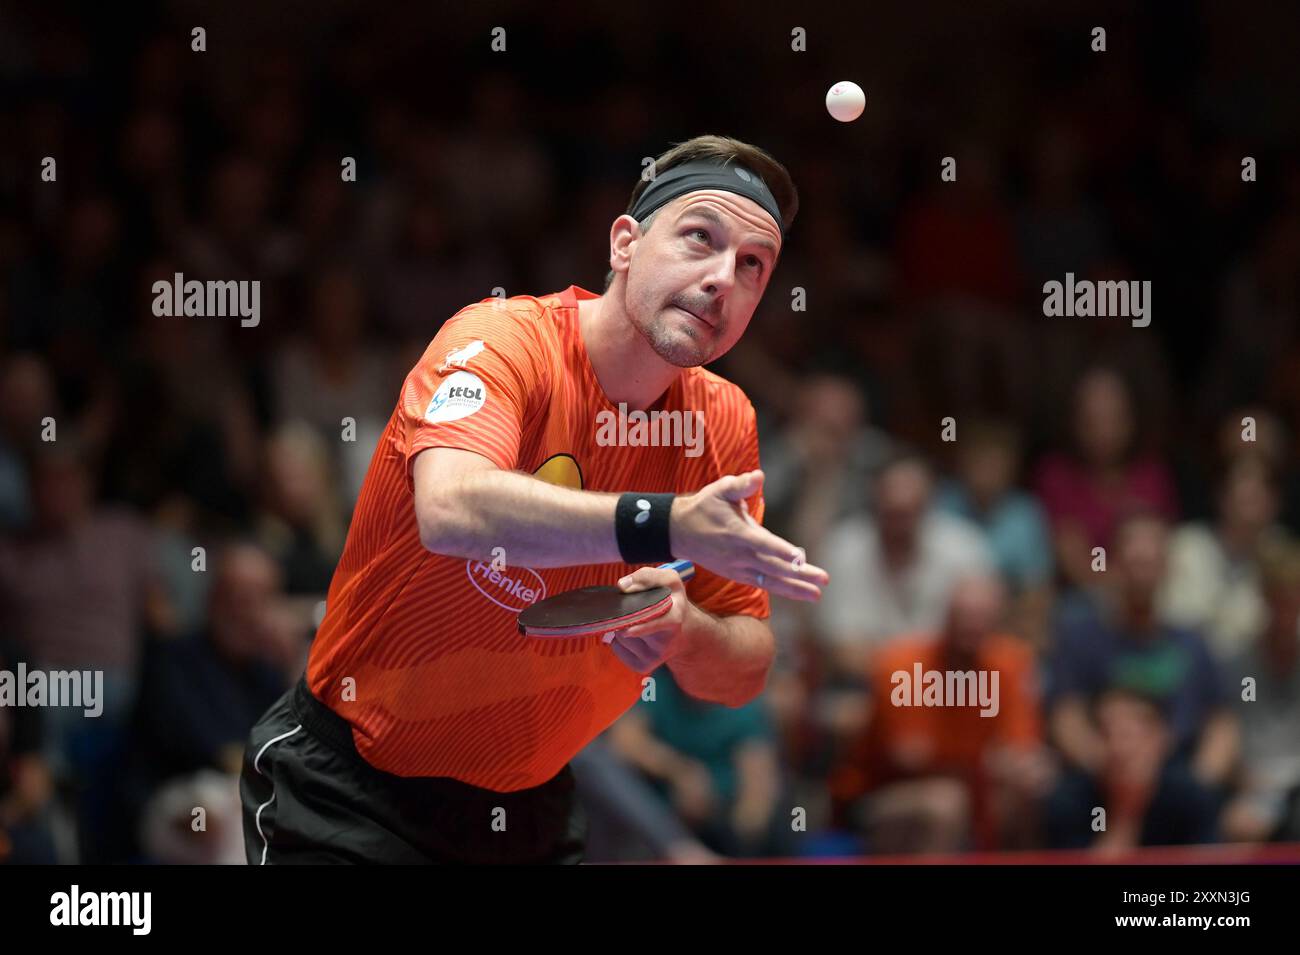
<point>589,611</point>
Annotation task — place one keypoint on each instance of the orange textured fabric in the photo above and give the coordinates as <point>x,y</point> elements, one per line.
<point>421,652</point>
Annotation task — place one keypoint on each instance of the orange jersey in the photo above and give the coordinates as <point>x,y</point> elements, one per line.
<point>955,738</point>
<point>421,653</point>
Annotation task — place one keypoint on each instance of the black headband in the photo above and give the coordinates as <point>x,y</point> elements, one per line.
<point>706,174</point>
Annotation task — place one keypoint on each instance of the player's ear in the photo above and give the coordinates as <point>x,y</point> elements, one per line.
<point>623,236</point>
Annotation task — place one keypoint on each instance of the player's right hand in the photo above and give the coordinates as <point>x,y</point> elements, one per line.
<point>712,528</point>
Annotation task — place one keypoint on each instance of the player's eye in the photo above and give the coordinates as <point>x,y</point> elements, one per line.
<point>756,263</point>
<point>703,232</point>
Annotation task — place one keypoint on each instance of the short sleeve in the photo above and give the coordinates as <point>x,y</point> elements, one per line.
<point>473,386</point>
<point>718,595</point>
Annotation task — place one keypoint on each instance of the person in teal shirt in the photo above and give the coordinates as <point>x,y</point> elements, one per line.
<point>717,766</point>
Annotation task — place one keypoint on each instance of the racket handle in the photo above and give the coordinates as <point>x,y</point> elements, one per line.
<point>685,569</point>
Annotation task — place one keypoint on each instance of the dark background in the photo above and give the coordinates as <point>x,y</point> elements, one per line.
<point>478,169</point>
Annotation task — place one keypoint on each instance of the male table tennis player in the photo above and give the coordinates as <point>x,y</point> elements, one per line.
<point>426,729</point>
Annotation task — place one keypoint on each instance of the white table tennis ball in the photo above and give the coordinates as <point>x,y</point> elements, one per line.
<point>846,101</point>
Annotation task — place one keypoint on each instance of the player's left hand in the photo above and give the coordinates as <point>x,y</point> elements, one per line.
<point>646,646</point>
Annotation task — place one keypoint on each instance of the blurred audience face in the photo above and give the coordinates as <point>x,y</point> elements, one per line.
<point>321,198</point>
<point>150,147</point>
<point>830,416</point>
<point>26,396</point>
<point>902,499</point>
<point>63,491</point>
<point>987,465</point>
<point>338,309</point>
<point>298,474</point>
<point>240,192</point>
<point>1103,418</point>
<point>1247,500</point>
<point>90,234</point>
<point>243,605</point>
<point>1141,549</point>
<point>1269,434</point>
<point>1134,734</point>
<point>974,612</point>
<point>426,229</point>
<point>684,261</point>
<point>1056,163</point>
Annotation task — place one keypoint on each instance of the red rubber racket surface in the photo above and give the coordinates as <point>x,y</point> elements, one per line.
<point>588,611</point>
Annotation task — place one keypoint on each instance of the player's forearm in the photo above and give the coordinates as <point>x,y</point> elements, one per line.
<point>534,523</point>
<point>726,659</point>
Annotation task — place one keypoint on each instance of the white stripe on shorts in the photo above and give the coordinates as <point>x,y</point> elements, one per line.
<point>258,818</point>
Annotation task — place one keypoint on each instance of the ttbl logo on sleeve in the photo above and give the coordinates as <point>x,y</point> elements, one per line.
<point>457,397</point>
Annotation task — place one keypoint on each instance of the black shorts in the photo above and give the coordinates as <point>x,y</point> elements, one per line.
<point>310,797</point>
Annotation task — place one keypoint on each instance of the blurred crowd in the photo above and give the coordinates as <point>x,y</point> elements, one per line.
<point>1103,515</point>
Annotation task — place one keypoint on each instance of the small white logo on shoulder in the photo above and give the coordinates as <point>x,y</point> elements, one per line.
<point>458,396</point>
<point>459,357</point>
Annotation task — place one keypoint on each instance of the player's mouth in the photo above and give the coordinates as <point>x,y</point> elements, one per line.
<point>685,311</point>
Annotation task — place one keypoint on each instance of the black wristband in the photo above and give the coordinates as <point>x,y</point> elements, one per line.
<point>641,527</point>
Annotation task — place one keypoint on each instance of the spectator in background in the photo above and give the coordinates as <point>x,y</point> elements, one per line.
<point>26,784</point>
<point>1059,229</point>
<point>200,695</point>
<point>78,591</point>
<point>1149,800</point>
<point>1254,431</point>
<point>816,466</point>
<point>1213,579</point>
<point>983,492</point>
<point>300,524</point>
<point>79,588</point>
<point>333,373</point>
<point>958,239</point>
<point>894,569</point>
<point>933,778</point>
<point>26,396</point>
<point>496,174</point>
<point>237,237</point>
<point>627,816</point>
<point>431,269</point>
<point>1107,472</point>
<point>716,765</point>
<point>1269,804</point>
<point>1127,647</point>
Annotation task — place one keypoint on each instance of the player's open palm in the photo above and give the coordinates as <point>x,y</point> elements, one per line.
<point>712,528</point>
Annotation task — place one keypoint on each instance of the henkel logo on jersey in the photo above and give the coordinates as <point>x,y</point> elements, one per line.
<point>513,588</point>
<point>457,397</point>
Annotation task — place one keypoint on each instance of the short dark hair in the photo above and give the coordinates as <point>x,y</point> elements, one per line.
<point>902,456</point>
<point>723,149</point>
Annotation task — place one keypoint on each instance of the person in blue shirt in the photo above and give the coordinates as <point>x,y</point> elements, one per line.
<point>983,491</point>
<point>1125,648</point>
